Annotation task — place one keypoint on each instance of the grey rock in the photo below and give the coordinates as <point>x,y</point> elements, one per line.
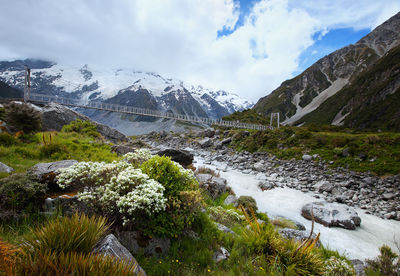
<point>297,235</point>
<point>223,228</point>
<point>359,267</point>
<point>226,141</point>
<point>110,246</point>
<point>306,157</point>
<point>55,116</point>
<point>209,132</point>
<point>230,200</point>
<point>5,168</point>
<point>323,186</point>
<point>332,215</point>
<point>68,204</point>
<point>214,185</point>
<point>135,242</point>
<point>122,149</point>
<point>388,196</point>
<point>183,157</point>
<point>205,143</point>
<point>220,255</point>
<point>46,172</point>
<point>259,166</point>
<point>266,185</point>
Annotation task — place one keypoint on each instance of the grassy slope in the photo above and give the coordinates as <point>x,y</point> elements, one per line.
<point>22,156</point>
<point>369,109</point>
<point>293,142</point>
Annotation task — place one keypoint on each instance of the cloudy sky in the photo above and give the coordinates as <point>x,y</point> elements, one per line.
<point>244,46</point>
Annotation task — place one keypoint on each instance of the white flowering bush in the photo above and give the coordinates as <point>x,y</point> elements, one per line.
<point>338,267</point>
<point>115,189</point>
<point>159,198</point>
<point>138,157</point>
<point>89,173</point>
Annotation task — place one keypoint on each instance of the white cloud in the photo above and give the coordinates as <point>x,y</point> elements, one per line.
<point>178,38</point>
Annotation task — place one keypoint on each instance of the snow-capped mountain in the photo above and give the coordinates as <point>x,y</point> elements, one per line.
<point>122,86</point>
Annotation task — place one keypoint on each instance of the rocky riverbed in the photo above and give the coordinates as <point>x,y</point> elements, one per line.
<point>375,195</point>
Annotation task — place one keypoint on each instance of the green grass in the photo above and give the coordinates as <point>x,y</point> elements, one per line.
<point>329,143</point>
<point>24,154</point>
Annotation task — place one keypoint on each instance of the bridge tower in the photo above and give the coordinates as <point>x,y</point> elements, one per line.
<point>27,84</point>
<point>274,115</point>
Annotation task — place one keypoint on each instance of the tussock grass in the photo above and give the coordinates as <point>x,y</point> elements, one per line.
<point>78,233</point>
<point>75,263</point>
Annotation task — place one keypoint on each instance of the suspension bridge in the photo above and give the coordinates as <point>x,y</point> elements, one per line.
<point>44,99</point>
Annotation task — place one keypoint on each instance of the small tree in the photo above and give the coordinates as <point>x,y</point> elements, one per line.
<point>21,116</point>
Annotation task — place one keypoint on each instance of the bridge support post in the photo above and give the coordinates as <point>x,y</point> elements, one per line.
<point>274,115</point>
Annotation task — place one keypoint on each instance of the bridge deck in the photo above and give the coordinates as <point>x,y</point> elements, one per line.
<point>41,98</point>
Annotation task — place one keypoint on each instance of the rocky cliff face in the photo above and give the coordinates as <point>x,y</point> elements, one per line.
<point>305,93</point>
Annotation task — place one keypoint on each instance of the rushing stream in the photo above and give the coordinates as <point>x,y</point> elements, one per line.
<point>356,244</point>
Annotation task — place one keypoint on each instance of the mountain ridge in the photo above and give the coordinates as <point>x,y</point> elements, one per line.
<point>148,89</point>
<point>301,95</point>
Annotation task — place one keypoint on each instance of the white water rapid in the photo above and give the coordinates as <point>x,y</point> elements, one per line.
<point>356,244</point>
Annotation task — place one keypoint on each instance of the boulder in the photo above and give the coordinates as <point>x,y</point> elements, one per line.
<point>209,132</point>
<point>205,143</point>
<point>214,185</point>
<point>230,200</point>
<point>324,186</point>
<point>55,116</point>
<point>223,228</point>
<point>220,255</point>
<point>266,185</point>
<point>307,157</point>
<point>332,214</point>
<point>46,172</point>
<point>297,235</point>
<point>5,168</point>
<point>359,267</point>
<point>259,166</point>
<point>110,246</point>
<point>226,141</point>
<point>135,242</point>
<point>67,203</point>
<point>183,157</point>
<point>122,149</point>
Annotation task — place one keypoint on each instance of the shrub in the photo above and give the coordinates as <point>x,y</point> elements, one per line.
<point>23,117</point>
<point>283,223</point>
<point>73,263</point>
<point>7,139</point>
<point>161,202</point>
<point>78,233</point>
<point>387,263</point>
<point>181,190</point>
<point>170,174</point>
<point>19,191</point>
<point>225,216</point>
<point>335,266</point>
<point>138,157</point>
<point>248,203</point>
<point>82,127</point>
<point>117,189</point>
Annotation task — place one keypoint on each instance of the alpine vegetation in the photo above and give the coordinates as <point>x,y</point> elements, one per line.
<point>123,191</point>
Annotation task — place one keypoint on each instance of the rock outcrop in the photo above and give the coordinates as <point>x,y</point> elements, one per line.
<point>332,214</point>
<point>5,168</point>
<point>110,246</point>
<point>183,157</point>
<point>55,116</point>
